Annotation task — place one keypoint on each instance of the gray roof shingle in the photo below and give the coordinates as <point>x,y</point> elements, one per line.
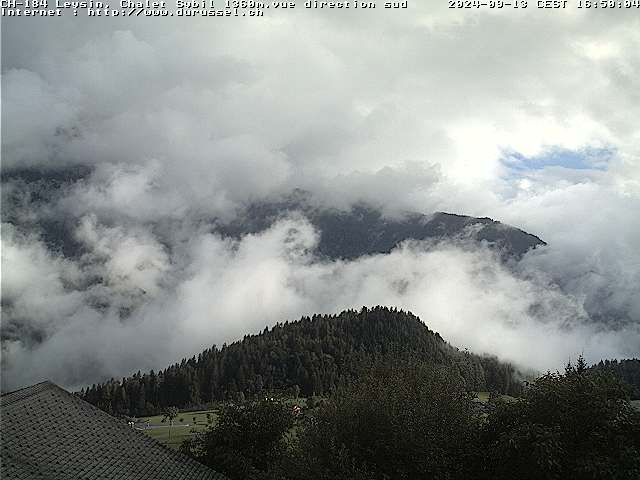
<point>50,434</point>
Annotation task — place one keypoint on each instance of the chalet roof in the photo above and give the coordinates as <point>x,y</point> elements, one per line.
<point>50,434</point>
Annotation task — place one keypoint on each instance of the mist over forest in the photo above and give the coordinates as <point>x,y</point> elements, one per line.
<point>165,188</point>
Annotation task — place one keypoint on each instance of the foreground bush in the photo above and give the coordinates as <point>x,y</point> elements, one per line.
<point>572,426</point>
<point>402,422</point>
<point>248,442</point>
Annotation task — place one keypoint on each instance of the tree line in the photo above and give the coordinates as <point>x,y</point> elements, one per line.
<point>312,356</point>
<point>628,370</point>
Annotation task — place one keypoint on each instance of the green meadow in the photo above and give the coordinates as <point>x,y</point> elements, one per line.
<point>185,425</point>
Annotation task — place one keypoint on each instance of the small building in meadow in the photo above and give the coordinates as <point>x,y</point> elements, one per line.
<point>49,434</point>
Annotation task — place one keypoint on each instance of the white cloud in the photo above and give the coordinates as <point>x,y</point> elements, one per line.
<point>229,288</point>
<point>38,288</point>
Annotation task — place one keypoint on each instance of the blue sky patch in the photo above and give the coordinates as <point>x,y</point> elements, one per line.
<point>583,159</point>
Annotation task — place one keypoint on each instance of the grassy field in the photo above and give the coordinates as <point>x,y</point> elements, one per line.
<point>185,425</point>
<point>483,397</point>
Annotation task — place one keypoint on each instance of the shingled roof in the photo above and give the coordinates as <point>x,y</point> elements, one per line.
<point>50,434</point>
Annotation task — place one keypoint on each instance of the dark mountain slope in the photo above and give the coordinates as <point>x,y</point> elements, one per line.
<point>363,230</point>
<point>30,201</point>
<point>312,355</point>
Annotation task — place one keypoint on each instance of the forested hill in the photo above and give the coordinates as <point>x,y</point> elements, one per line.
<point>310,356</point>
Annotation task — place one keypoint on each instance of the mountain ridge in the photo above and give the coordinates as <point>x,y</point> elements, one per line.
<point>364,230</point>
<point>345,233</point>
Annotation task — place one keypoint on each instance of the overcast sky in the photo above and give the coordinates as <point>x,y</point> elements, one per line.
<point>526,116</point>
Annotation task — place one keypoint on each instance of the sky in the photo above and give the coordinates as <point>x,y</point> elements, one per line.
<point>527,116</point>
